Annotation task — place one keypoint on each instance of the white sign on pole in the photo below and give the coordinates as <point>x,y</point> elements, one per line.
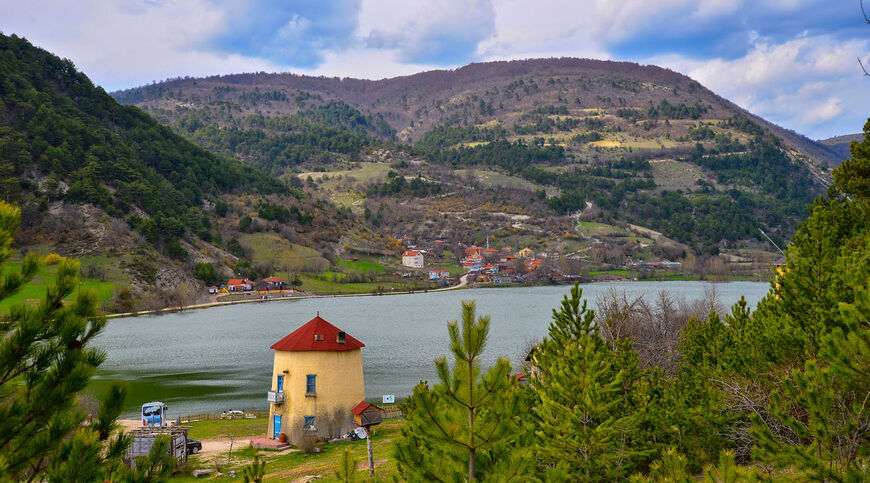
<point>389,399</point>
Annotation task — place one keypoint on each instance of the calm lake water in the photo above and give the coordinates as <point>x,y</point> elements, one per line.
<point>217,359</point>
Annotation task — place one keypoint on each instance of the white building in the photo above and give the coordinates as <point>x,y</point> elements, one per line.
<point>412,258</point>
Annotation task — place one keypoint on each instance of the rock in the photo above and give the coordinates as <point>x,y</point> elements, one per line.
<point>203,472</point>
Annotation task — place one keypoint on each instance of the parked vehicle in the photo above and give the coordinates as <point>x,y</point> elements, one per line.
<point>193,446</point>
<point>154,414</point>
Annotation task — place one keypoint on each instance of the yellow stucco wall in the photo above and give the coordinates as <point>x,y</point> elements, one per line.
<point>339,387</point>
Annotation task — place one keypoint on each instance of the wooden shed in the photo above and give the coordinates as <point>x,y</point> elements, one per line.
<point>365,414</point>
<point>143,440</point>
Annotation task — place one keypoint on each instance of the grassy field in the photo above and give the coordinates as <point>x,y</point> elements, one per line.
<point>496,179</point>
<point>310,283</point>
<point>44,278</point>
<point>227,428</point>
<point>270,248</point>
<point>591,228</point>
<point>674,175</point>
<point>288,466</point>
<point>362,266</point>
<point>606,143</point>
<point>367,172</point>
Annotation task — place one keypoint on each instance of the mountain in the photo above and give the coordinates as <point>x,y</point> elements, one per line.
<point>612,142</point>
<point>140,205</point>
<point>840,145</point>
<point>413,105</point>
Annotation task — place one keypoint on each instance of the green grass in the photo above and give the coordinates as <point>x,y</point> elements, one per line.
<point>591,228</point>
<point>362,266</point>
<point>288,466</point>
<point>270,248</point>
<point>312,284</point>
<point>228,428</point>
<point>622,273</point>
<point>45,278</point>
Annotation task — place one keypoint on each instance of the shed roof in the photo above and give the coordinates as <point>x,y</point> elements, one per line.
<point>316,335</point>
<point>362,406</point>
<point>411,253</point>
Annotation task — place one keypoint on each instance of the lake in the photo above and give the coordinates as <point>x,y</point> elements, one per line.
<point>217,359</point>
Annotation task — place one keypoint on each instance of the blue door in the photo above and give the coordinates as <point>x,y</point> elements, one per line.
<point>280,387</point>
<point>277,426</point>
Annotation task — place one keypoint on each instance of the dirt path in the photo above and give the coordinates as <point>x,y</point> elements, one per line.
<point>210,447</point>
<point>220,446</point>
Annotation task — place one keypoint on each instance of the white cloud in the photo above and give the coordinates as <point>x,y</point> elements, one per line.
<point>806,81</point>
<point>123,47</point>
<point>827,110</point>
<point>801,84</point>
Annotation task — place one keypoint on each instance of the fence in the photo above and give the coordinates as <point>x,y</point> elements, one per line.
<point>247,414</point>
<point>390,412</point>
<point>393,412</point>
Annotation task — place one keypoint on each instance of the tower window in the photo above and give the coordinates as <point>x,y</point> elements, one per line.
<point>310,384</point>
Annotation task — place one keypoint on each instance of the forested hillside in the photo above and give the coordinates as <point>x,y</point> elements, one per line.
<point>606,142</point>
<point>141,205</point>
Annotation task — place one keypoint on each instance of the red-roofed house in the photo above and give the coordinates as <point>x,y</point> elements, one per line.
<point>412,258</point>
<point>472,250</point>
<point>240,285</point>
<point>534,264</point>
<point>317,379</point>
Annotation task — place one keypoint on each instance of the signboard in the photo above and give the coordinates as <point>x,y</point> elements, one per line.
<point>389,399</point>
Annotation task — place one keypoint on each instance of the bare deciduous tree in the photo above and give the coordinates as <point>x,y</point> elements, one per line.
<point>653,327</point>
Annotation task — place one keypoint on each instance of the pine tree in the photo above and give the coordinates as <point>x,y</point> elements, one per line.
<point>466,427</point>
<point>45,362</point>
<point>589,409</point>
<point>823,409</point>
<point>818,421</point>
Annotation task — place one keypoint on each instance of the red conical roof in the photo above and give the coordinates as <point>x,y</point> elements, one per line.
<point>316,335</point>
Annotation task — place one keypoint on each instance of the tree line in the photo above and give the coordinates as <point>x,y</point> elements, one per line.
<point>775,394</point>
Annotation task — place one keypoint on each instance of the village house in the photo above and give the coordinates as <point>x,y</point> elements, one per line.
<point>412,258</point>
<point>240,285</point>
<point>526,253</point>
<point>213,289</point>
<point>317,378</point>
<point>438,274</point>
<point>274,283</point>
<point>473,250</point>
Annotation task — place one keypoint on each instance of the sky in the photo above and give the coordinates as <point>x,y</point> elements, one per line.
<point>794,62</point>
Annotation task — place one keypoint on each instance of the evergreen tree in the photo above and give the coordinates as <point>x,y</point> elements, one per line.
<point>45,362</point>
<point>589,409</point>
<point>818,420</point>
<point>466,427</point>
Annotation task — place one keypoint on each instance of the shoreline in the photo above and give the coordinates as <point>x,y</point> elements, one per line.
<point>463,284</point>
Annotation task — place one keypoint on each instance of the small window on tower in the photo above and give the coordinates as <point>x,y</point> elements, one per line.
<point>310,384</point>
<point>342,338</point>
